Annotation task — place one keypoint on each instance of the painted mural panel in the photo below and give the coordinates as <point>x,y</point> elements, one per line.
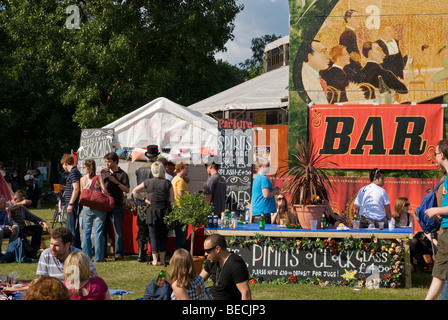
<point>366,52</point>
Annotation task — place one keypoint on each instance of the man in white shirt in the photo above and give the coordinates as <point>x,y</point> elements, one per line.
<point>372,202</point>
<point>316,60</point>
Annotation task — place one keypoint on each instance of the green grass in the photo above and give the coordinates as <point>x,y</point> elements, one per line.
<point>131,275</point>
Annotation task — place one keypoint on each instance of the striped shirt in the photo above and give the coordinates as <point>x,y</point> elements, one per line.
<point>52,266</point>
<point>73,176</point>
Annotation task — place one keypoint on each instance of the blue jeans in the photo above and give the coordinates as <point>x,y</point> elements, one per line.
<point>181,236</point>
<point>116,216</point>
<point>90,216</point>
<point>444,294</point>
<point>73,225</point>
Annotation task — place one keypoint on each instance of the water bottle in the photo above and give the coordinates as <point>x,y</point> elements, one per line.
<point>247,217</point>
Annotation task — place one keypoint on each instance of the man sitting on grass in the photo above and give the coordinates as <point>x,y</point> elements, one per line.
<point>51,261</point>
<point>20,214</point>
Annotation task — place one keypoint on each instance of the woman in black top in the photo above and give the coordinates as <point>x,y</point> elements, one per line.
<point>159,198</point>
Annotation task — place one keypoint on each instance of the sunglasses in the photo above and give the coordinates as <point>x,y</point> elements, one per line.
<point>210,249</point>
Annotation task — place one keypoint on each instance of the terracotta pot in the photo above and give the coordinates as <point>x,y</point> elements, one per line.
<point>307,213</point>
<point>198,262</point>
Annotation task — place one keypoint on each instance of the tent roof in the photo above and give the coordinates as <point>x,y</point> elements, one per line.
<point>167,124</point>
<point>263,92</point>
<point>160,104</point>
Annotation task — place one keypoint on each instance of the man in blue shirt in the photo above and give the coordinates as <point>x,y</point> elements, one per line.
<point>440,270</point>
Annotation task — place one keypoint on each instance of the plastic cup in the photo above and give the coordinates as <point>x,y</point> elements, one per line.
<point>391,225</point>
<point>313,224</point>
<point>283,222</point>
<point>56,188</point>
<point>356,225</point>
<point>381,225</point>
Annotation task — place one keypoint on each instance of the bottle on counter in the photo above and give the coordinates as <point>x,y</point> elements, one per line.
<point>247,217</point>
<point>324,222</point>
<point>262,222</point>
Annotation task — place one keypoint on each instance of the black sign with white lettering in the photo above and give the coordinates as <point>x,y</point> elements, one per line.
<point>94,144</point>
<point>271,263</point>
<point>235,155</point>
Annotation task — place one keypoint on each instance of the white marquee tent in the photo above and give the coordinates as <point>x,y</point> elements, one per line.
<point>269,90</point>
<point>175,129</point>
<point>182,134</point>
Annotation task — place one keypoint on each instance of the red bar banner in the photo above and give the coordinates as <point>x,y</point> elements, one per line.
<point>393,137</point>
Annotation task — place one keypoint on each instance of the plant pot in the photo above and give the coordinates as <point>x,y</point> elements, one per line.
<point>309,212</point>
<point>198,261</point>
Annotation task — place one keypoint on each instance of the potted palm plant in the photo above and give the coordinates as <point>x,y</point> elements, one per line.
<point>191,209</point>
<point>306,182</point>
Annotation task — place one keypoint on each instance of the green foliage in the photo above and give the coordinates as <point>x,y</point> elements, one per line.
<point>307,178</point>
<point>192,209</point>
<point>56,80</point>
<point>254,65</point>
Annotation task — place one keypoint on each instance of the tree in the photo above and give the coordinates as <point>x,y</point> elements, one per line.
<point>69,65</point>
<point>254,65</point>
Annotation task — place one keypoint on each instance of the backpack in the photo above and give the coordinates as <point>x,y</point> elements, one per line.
<point>427,224</point>
<point>17,251</point>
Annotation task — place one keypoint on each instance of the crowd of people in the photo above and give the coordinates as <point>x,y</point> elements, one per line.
<point>159,186</point>
<point>67,273</point>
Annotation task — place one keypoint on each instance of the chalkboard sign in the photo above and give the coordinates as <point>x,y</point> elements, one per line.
<point>94,144</point>
<point>235,152</point>
<point>272,263</point>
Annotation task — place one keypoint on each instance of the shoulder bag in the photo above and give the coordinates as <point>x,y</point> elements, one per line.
<point>95,199</point>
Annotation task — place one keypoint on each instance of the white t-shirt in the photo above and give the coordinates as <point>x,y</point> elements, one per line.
<point>371,199</point>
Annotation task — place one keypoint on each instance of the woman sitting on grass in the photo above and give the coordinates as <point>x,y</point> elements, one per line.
<point>186,283</point>
<point>79,282</point>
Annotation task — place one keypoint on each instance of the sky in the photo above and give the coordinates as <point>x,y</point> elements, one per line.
<point>259,17</point>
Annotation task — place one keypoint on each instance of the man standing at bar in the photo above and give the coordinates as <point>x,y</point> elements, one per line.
<point>372,202</point>
<point>215,189</point>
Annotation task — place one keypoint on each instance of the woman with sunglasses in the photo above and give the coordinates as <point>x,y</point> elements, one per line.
<point>283,212</point>
<point>401,212</point>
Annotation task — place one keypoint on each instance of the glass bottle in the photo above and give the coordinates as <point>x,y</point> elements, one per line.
<point>161,278</point>
<point>262,222</point>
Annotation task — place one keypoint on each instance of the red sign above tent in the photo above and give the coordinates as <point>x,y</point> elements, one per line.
<point>399,137</point>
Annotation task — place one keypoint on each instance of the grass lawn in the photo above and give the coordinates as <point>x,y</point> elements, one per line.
<point>131,275</point>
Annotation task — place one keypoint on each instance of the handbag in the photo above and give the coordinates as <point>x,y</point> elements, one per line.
<point>95,199</point>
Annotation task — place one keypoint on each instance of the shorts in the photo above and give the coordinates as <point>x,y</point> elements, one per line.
<point>440,269</point>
